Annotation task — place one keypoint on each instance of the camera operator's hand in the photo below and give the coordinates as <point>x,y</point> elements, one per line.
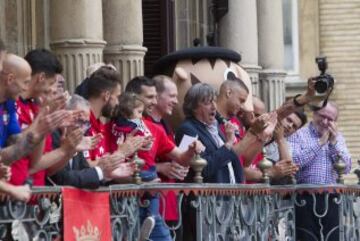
<point>310,91</point>
<point>333,132</point>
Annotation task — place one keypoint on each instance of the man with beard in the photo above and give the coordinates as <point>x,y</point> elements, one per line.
<point>103,91</point>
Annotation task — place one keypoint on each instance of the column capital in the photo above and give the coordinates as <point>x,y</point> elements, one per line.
<point>77,43</point>
<point>125,49</point>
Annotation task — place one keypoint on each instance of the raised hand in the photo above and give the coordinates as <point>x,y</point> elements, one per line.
<point>263,126</point>
<point>133,143</point>
<point>71,139</point>
<point>89,142</point>
<point>283,168</point>
<point>230,130</point>
<point>279,132</point>
<point>333,132</point>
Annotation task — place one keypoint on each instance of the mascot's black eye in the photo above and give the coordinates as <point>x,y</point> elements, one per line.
<point>229,74</point>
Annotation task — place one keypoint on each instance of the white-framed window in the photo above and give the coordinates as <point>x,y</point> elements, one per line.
<point>291,39</point>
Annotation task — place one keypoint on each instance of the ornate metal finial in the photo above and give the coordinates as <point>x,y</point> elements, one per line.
<point>264,166</point>
<point>139,163</point>
<point>198,164</point>
<point>357,172</point>
<point>340,169</point>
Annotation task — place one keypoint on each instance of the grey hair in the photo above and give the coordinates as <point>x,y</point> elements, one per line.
<point>198,93</point>
<point>76,101</point>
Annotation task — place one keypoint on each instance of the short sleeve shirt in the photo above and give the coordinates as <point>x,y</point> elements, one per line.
<point>9,124</point>
<point>160,146</point>
<point>97,127</point>
<point>27,111</point>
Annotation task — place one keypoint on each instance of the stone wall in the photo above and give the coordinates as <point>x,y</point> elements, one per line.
<point>339,36</point>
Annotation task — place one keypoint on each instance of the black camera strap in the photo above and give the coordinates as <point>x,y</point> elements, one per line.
<point>317,108</point>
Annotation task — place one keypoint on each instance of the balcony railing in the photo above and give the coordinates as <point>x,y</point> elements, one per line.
<point>223,211</point>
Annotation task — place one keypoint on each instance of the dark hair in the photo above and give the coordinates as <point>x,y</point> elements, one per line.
<point>134,85</point>
<point>103,79</point>
<point>42,60</point>
<point>128,101</point>
<point>2,46</point>
<point>302,117</point>
<point>200,92</point>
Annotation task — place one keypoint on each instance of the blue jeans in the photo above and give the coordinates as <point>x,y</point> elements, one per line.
<point>160,231</point>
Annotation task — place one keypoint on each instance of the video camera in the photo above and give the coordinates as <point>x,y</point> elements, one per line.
<point>323,81</point>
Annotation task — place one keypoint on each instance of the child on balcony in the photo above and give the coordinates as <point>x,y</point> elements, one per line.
<point>128,122</point>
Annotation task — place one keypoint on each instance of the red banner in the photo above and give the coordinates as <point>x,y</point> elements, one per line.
<point>86,215</point>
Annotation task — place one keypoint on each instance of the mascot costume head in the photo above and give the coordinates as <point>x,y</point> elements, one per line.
<point>211,65</point>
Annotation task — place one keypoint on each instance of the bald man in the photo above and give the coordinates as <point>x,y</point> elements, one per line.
<point>15,77</point>
<point>231,99</point>
<point>14,80</point>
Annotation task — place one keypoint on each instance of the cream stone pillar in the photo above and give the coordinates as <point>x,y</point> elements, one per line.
<point>123,31</point>
<point>271,52</point>
<point>76,36</point>
<point>238,31</point>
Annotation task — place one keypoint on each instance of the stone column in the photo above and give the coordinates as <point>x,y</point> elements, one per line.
<point>271,52</point>
<point>123,31</point>
<point>238,31</point>
<point>76,36</point>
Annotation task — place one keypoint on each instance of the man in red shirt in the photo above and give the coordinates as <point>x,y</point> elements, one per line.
<point>162,146</point>
<point>169,170</point>
<point>103,90</point>
<point>45,66</point>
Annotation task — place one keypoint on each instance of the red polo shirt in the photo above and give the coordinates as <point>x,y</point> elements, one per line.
<point>171,212</point>
<point>160,146</point>
<point>97,127</point>
<point>26,111</point>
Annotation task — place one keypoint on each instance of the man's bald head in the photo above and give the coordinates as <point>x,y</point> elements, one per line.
<point>16,76</point>
<point>259,106</point>
<point>16,65</point>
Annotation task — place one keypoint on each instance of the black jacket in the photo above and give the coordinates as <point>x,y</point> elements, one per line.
<point>79,175</point>
<point>216,170</point>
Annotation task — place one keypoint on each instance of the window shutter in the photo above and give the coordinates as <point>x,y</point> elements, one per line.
<point>158,24</point>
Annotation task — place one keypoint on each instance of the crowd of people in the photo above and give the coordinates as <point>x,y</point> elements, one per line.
<point>88,139</point>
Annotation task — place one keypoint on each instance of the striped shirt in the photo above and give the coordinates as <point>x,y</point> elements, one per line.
<point>315,161</point>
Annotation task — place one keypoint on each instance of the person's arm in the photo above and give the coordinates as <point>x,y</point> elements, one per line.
<point>298,101</point>
<point>58,158</point>
<point>43,124</point>
<point>260,132</point>
<point>252,174</point>
<point>216,159</point>
<point>339,148</point>
<point>282,144</point>
<point>20,193</point>
<point>23,146</point>
<point>81,177</point>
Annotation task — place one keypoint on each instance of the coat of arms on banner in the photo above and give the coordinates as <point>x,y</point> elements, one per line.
<point>86,215</point>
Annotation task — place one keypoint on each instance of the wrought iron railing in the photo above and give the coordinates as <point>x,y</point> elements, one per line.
<point>221,211</point>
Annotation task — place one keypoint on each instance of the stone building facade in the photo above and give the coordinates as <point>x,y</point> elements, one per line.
<point>278,40</point>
